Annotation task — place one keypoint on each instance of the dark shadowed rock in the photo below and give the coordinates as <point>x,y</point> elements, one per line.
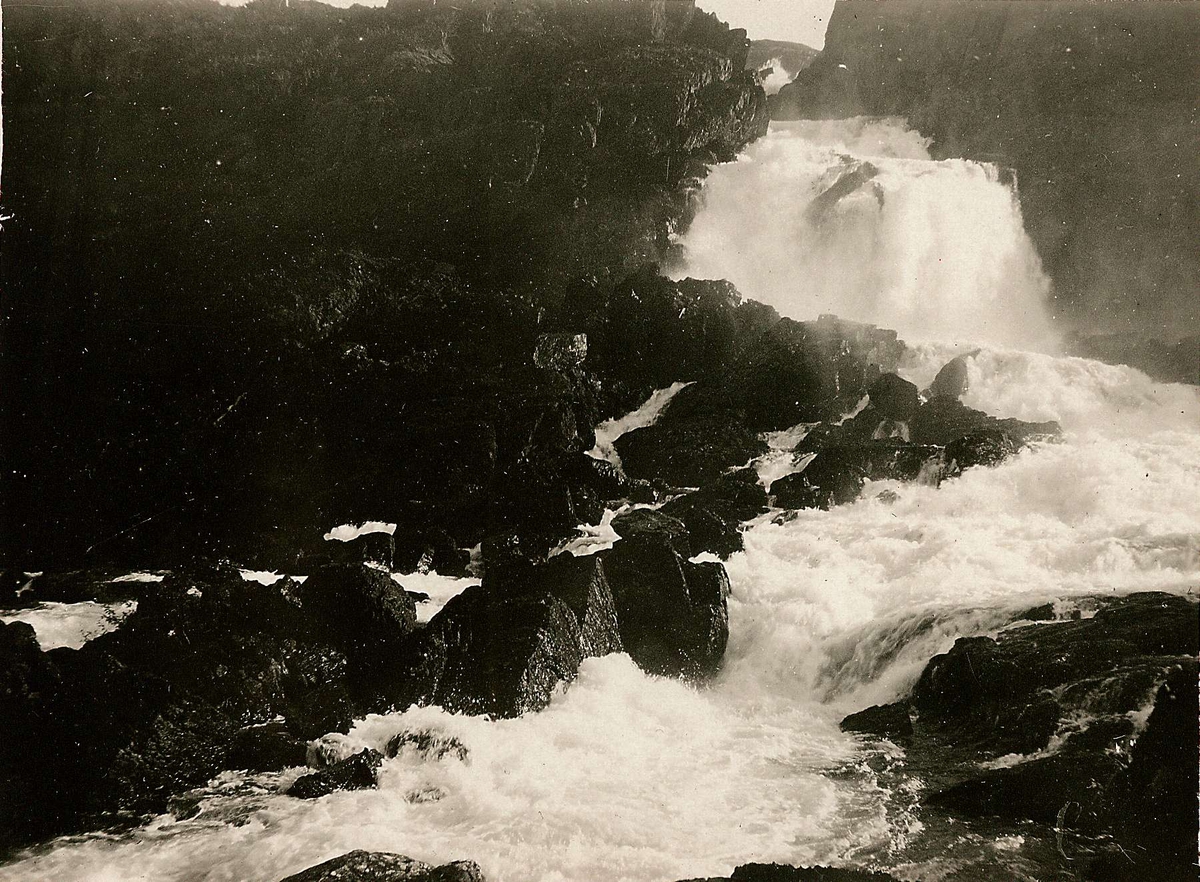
<point>647,524</point>
<point>362,609</point>
<point>944,420</point>
<point>786,873</point>
<point>561,352</point>
<point>672,613</point>
<point>378,548</point>
<point>268,747</point>
<point>356,772</point>
<point>714,514</point>
<point>689,451</point>
<point>366,866</point>
<point>502,647</point>
<point>894,398</point>
<point>984,447</point>
<point>887,721</point>
<point>1082,682</point>
<point>951,380</point>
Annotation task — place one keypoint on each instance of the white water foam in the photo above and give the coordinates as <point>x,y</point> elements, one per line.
<point>934,250</point>
<point>71,624</point>
<point>609,431</point>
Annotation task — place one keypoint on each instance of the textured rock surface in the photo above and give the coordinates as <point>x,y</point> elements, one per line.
<point>501,648</point>
<point>378,866</point>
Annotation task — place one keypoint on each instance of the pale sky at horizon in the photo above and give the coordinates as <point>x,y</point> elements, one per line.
<point>797,21</point>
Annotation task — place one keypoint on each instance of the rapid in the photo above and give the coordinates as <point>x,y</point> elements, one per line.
<point>630,777</point>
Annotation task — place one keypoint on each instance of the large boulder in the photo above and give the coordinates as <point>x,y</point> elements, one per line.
<point>689,450</point>
<point>378,866</point>
<point>952,379</point>
<point>894,398</point>
<point>672,613</point>
<point>361,608</point>
<point>501,648</point>
<point>714,514</point>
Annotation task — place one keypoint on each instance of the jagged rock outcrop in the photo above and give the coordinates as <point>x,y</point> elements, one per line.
<point>672,613</point>
<point>379,866</point>
<point>355,327</point>
<point>1047,722</point>
<point>164,702</point>
<point>501,648</point>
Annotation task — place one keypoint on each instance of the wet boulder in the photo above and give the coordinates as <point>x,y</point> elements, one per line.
<point>361,609</point>
<point>689,450</point>
<point>502,647</point>
<point>894,398</point>
<point>714,514</point>
<point>944,420</point>
<point>952,379</point>
<point>1037,724</point>
<point>984,447</point>
<point>357,772</point>
<point>655,525</point>
<point>378,866</point>
<point>891,721</point>
<point>672,613</point>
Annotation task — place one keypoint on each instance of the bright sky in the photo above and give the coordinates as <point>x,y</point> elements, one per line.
<point>798,21</point>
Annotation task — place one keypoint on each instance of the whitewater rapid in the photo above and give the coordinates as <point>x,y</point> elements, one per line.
<point>630,777</point>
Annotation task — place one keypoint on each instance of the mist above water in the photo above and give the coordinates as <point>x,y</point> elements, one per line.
<point>935,250</point>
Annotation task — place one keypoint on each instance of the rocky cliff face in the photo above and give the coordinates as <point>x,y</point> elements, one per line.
<point>1094,105</point>
<point>325,241</point>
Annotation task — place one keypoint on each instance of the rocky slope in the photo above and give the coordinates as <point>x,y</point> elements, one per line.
<point>1094,105</point>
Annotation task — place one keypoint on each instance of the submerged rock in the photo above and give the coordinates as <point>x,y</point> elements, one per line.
<point>357,772</point>
<point>378,866</point>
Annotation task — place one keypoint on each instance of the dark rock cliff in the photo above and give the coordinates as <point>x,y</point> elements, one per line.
<point>1094,105</point>
<point>268,269</point>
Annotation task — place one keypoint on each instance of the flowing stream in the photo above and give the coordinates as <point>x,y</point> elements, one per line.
<point>629,777</point>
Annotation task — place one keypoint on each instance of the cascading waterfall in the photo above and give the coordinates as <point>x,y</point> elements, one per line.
<point>626,776</point>
<point>852,217</point>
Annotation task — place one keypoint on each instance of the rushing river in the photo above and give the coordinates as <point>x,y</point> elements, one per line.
<point>626,776</point>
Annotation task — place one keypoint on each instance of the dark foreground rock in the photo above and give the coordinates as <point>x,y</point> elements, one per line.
<point>786,873</point>
<point>378,866</point>
<point>672,613</point>
<point>171,698</point>
<point>1047,722</point>
<point>502,647</point>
